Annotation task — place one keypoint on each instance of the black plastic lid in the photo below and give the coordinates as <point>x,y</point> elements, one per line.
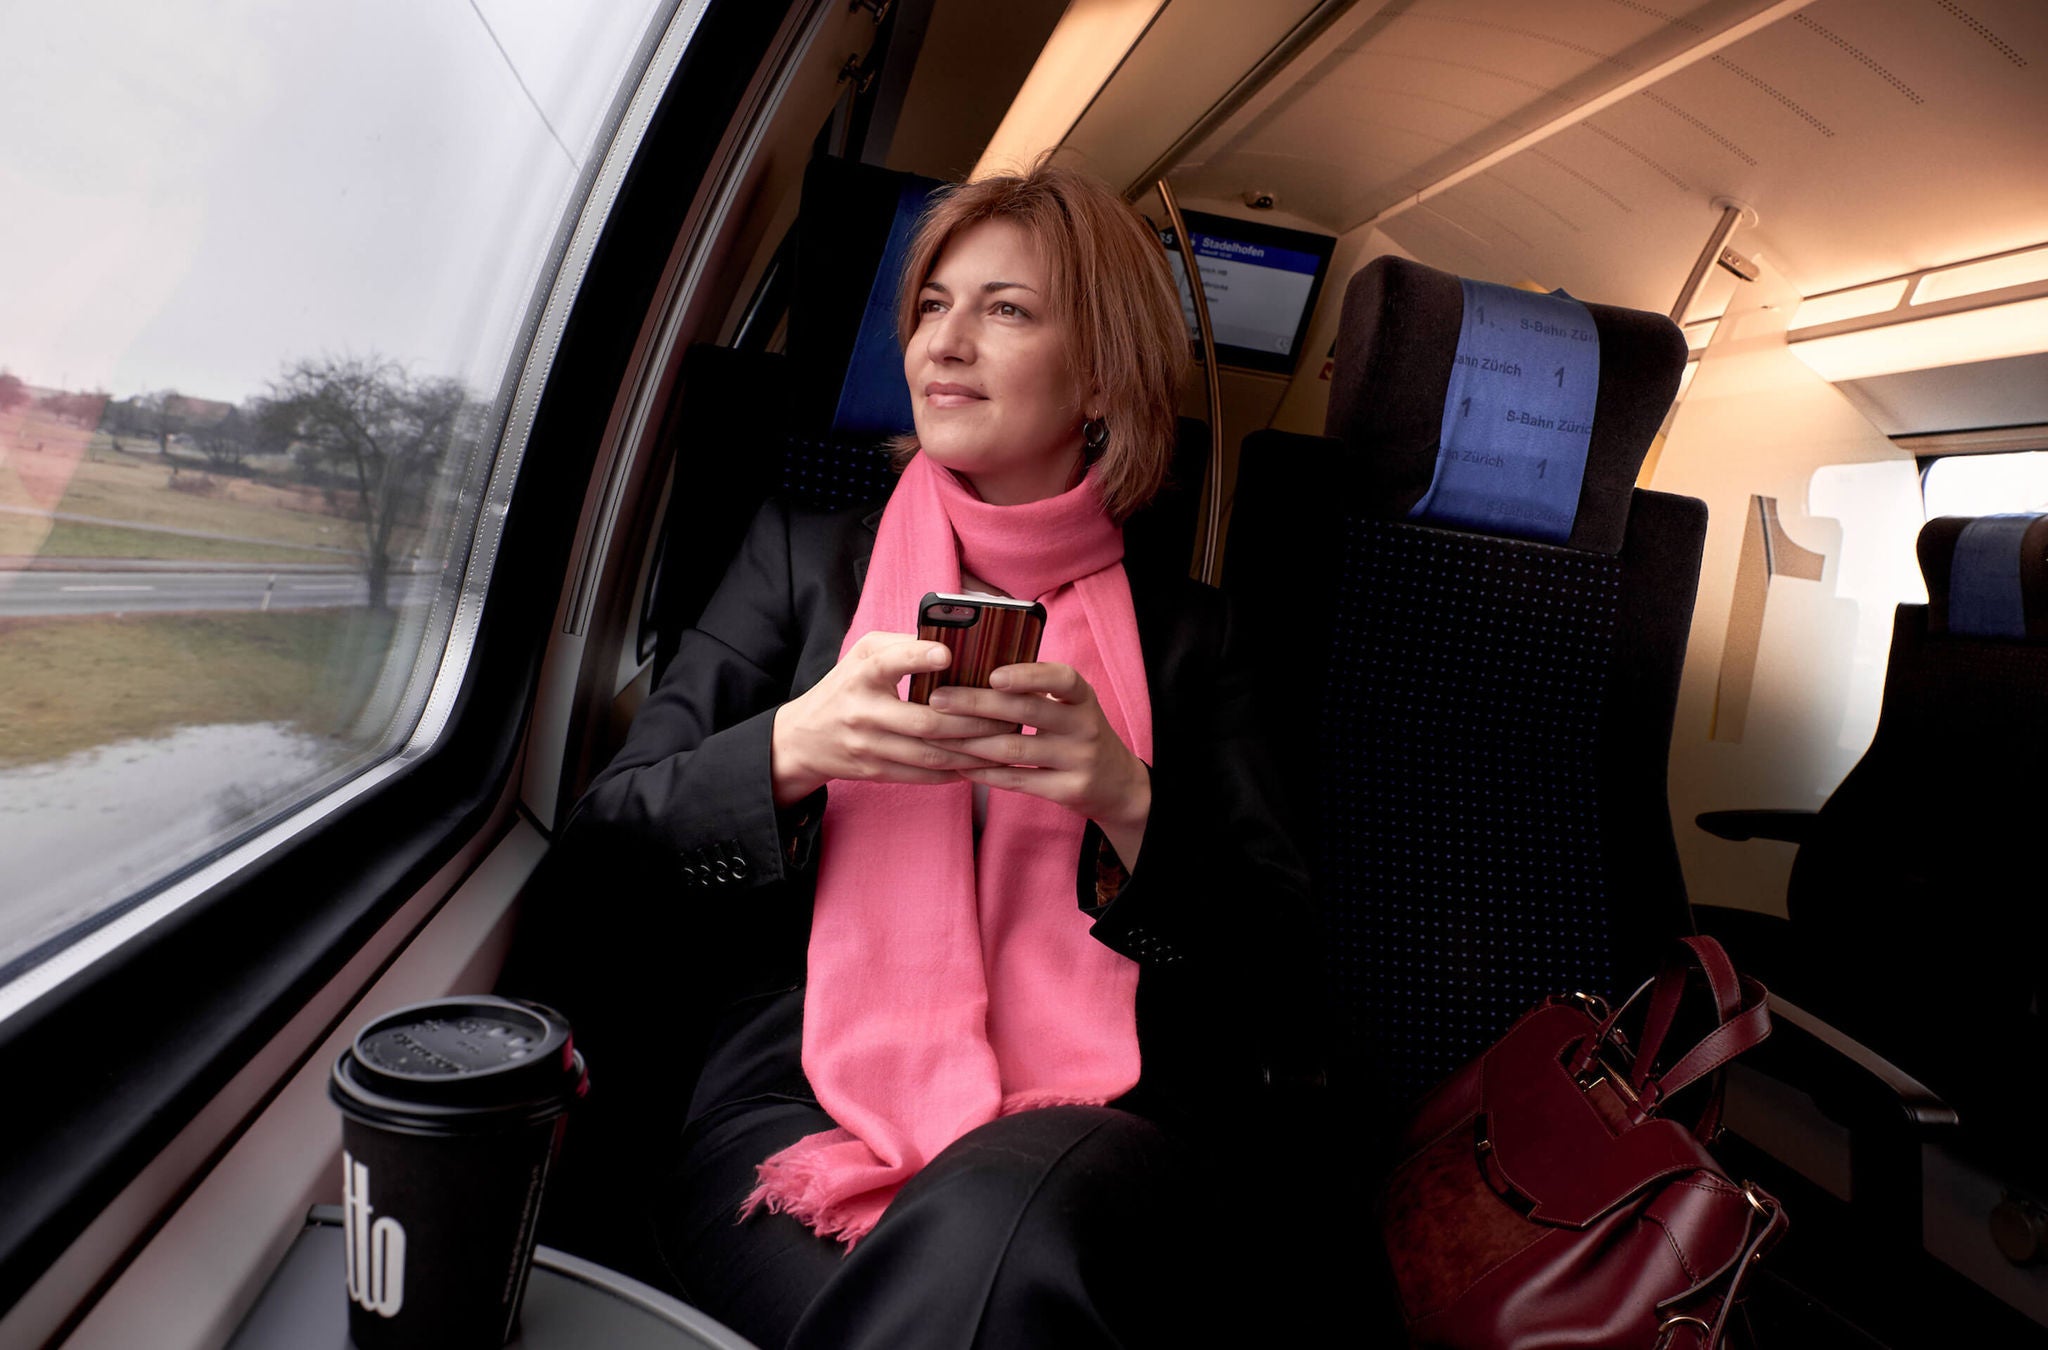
<point>460,1064</point>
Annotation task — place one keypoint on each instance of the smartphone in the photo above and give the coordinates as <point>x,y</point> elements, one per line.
<point>984,631</point>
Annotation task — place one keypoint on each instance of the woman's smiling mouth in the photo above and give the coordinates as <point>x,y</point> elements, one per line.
<point>950,395</point>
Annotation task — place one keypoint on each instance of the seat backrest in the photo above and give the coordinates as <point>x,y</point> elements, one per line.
<point>1926,858</point>
<point>1484,718</point>
<point>812,424</point>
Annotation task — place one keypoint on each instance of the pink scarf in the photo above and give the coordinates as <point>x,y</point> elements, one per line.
<point>950,985</point>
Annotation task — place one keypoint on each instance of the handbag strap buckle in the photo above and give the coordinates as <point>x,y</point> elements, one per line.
<point>1594,1005</point>
<point>1667,1331</point>
<point>1749,1193</point>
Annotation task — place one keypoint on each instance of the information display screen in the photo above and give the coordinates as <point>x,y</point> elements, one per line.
<point>1261,282</point>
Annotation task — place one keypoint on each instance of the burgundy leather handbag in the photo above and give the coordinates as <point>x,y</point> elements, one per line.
<point>1544,1199</point>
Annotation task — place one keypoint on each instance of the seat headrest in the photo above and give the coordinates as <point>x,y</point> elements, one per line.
<point>1987,576</point>
<point>1398,346</point>
<point>852,240</point>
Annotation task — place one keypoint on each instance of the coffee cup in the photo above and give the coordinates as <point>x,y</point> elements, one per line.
<point>452,1114</point>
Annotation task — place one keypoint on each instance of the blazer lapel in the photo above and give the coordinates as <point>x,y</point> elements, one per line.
<point>870,525</point>
<point>1152,596</point>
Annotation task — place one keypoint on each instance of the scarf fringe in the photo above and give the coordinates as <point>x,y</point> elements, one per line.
<point>797,1183</point>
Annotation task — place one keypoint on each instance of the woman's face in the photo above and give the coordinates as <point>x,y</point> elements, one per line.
<point>991,388</point>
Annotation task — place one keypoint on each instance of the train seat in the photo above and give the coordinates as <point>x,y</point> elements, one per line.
<point>1914,922</point>
<point>812,424</point>
<point>1485,714</point>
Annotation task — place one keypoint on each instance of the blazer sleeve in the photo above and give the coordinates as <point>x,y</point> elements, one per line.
<point>692,781</point>
<point>1219,879</point>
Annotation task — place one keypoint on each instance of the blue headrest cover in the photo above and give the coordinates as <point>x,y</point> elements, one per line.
<point>1985,597</point>
<point>874,400</point>
<point>1518,419</point>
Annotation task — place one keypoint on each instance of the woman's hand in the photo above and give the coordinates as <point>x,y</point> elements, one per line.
<point>852,725</point>
<point>1076,759</point>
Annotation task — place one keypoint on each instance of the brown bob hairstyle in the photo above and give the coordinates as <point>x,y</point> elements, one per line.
<point>1112,289</point>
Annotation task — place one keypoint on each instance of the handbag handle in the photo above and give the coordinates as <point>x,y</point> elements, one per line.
<point>1667,991</point>
<point>1740,1033</point>
<point>1743,1016</point>
<point>1694,953</point>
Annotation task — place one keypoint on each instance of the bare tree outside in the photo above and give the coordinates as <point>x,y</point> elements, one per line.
<point>369,427</point>
<point>228,440</point>
<point>122,418</point>
<point>13,393</point>
<point>79,409</point>
<point>157,417</point>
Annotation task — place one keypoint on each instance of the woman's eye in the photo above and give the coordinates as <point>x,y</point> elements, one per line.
<point>929,306</point>
<point>1008,310</point>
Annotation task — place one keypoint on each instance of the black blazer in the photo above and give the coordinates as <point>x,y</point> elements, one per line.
<point>1216,912</point>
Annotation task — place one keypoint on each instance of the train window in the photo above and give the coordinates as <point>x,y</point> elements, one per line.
<point>264,268</point>
<point>1983,485</point>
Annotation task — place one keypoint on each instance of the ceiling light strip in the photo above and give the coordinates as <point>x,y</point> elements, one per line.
<point>1905,311</point>
<point>1699,51</point>
<point>1921,294</point>
<point>1088,46</point>
<point>2015,268</point>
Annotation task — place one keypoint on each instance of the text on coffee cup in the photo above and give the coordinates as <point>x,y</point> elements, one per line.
<point>376,1251</point>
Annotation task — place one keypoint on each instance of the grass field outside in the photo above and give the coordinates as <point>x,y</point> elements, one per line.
<point>136,487</point>
<point>69,684</point>
<point>50,466</point>
<point>27,536</point>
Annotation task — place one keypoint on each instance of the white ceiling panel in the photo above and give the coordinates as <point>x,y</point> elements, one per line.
<point>1872,137</point>
<point>1432,85</point>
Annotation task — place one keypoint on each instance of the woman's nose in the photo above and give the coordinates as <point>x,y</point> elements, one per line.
<point>951,337</point>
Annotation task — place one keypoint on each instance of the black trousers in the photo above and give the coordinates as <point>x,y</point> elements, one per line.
<point>1069,1227</point>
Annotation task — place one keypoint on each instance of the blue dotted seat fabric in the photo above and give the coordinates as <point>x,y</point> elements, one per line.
<point>1476,730</point>
<point>828,472</point>
<point>1464,869</point>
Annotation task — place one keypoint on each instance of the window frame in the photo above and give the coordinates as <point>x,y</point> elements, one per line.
<point>123,1051</point>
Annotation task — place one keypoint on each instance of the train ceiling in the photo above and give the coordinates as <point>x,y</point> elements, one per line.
<point>1873,137</point>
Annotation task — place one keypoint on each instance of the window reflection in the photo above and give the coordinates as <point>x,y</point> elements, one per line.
<point>267,264</point>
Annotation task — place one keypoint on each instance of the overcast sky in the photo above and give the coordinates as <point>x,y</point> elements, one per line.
<point>192,194</point>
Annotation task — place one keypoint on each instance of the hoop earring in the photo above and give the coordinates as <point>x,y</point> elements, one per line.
<point>1095,434</point>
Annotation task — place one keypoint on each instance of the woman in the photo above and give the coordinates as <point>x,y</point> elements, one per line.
<point>994,1073</point>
